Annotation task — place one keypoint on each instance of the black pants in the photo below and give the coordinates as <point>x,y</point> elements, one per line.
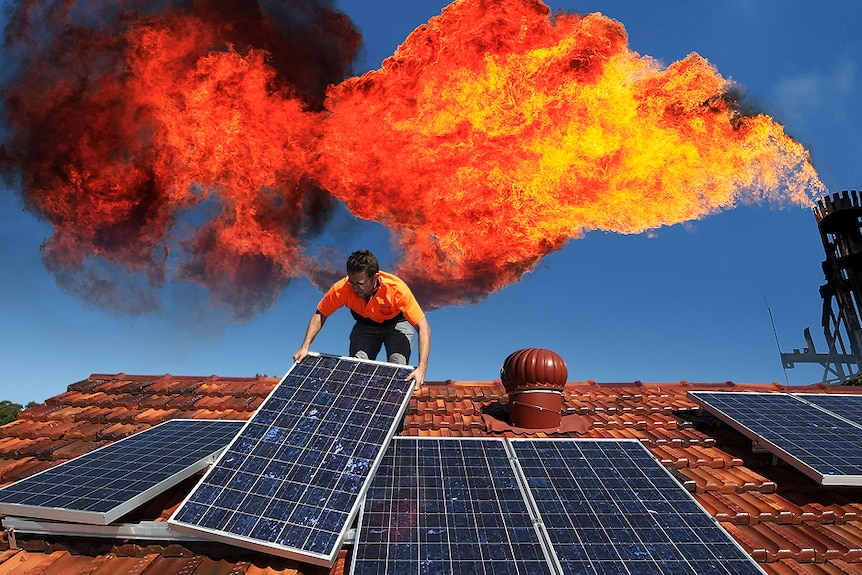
<point>367,338</point>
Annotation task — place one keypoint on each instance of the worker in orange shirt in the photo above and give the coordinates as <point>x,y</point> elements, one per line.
<point>385,311</point>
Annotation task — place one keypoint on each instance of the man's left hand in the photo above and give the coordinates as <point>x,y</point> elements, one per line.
<point>418,375</point>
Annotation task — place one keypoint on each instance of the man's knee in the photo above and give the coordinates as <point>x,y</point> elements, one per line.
<point>398,358</point>
<point>360,353</point>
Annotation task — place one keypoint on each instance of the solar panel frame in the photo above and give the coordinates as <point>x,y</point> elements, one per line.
<point>292,481</point>
<point>825,447</point>
<point>101,486</point>
<point>610,507</point>
<point>455,506</point>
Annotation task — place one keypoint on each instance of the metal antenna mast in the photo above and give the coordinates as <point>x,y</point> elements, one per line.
<point>839,218</point>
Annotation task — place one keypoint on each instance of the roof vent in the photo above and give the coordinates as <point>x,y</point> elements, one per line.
<point>534,379</point>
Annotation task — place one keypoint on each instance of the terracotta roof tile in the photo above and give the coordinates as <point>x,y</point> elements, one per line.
<point>40,448</point>
<point>94,399</point>
<point>728,480</point>
<point>849,534</point>
<point>87,431</point>
<point>86,385</point>
<point>7,554</point>
<point>154,416</point>
<point>75,448</point>
<point>39,412</point>
<point>222,403</point>
<point>262,386</point>
<point>757,544</point>
<point>223,388</point>
<point>93,414</point>
<point>35,562</point>
<point>154,401</point>
<point>9,468</point>
<point>54,429</point>
<point>169,385</point>
<point>29,466</point>
<point>68,413</point>
<point>124,400</point>
<point>70,397</point>
<point>790,567</point>
<point>16,447</point>
<point>183,402</point>
<point>19,428</point>
<point>114,386</point>
<point>115,565</point>
<point>120,430</point>
<point>121,415</point>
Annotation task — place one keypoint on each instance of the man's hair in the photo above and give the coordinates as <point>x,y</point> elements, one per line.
<point>363,260</point>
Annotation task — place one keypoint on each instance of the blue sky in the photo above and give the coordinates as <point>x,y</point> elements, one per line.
<point>686,302</point>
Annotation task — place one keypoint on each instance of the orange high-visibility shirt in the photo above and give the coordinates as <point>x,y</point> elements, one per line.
<point>391,298</point>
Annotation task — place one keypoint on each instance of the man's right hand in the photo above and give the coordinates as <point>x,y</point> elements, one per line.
<point>314,324</point>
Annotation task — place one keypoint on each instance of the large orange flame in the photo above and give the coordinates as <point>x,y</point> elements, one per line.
<point>172,144</point>
<point>495,134</point>
<point>203,145</point>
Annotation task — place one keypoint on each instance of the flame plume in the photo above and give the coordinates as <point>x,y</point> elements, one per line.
<point>496,134</point>
<point>208,144</point>
<point>164,143</point>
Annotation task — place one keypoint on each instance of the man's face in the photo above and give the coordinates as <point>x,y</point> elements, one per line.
<point>363,286</point>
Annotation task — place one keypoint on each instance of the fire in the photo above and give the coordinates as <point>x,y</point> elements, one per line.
<point>173,145</point>
<point>496,135</point>
<point>204,146</point>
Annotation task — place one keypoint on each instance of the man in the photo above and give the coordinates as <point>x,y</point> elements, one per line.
<point>385,311</point>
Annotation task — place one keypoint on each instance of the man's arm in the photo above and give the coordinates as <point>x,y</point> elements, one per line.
<point>314,324</point>
<point>424,351</point>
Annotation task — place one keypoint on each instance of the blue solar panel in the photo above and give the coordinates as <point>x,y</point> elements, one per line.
<point>101,486</point>
<point>447,506</point>
<point>291,482</point>
<point>609,507</point>
<point>825,447</point>
<point>844,405</point>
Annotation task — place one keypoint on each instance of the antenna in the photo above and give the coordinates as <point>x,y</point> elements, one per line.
<point>777,343</point>
<point>839,218</point>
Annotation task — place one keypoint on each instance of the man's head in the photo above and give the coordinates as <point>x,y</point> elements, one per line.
<point>362,269</point>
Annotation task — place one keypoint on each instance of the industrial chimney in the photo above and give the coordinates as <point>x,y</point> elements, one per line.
<point>534,378</point>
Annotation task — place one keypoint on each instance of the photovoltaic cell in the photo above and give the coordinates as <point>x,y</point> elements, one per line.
<point>447,506</point>
<point>291,482</point>
<point>610,508</point>
<point>825,447</point>
<point>101,486</point>
<point>848,406</point>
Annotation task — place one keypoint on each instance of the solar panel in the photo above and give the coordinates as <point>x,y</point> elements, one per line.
<point>447,506</point>
<point>848,406</point>
<point>822,445</point>
<point>101,486</point>
<point>609,507</point>
<point>291,482</point>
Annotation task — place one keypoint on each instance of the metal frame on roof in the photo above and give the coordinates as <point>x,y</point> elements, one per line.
<point>143,530</point>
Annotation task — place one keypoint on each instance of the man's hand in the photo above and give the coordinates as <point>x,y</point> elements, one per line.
<point>314,324</point>
<point>418,375</point>
<point>300,354</point>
